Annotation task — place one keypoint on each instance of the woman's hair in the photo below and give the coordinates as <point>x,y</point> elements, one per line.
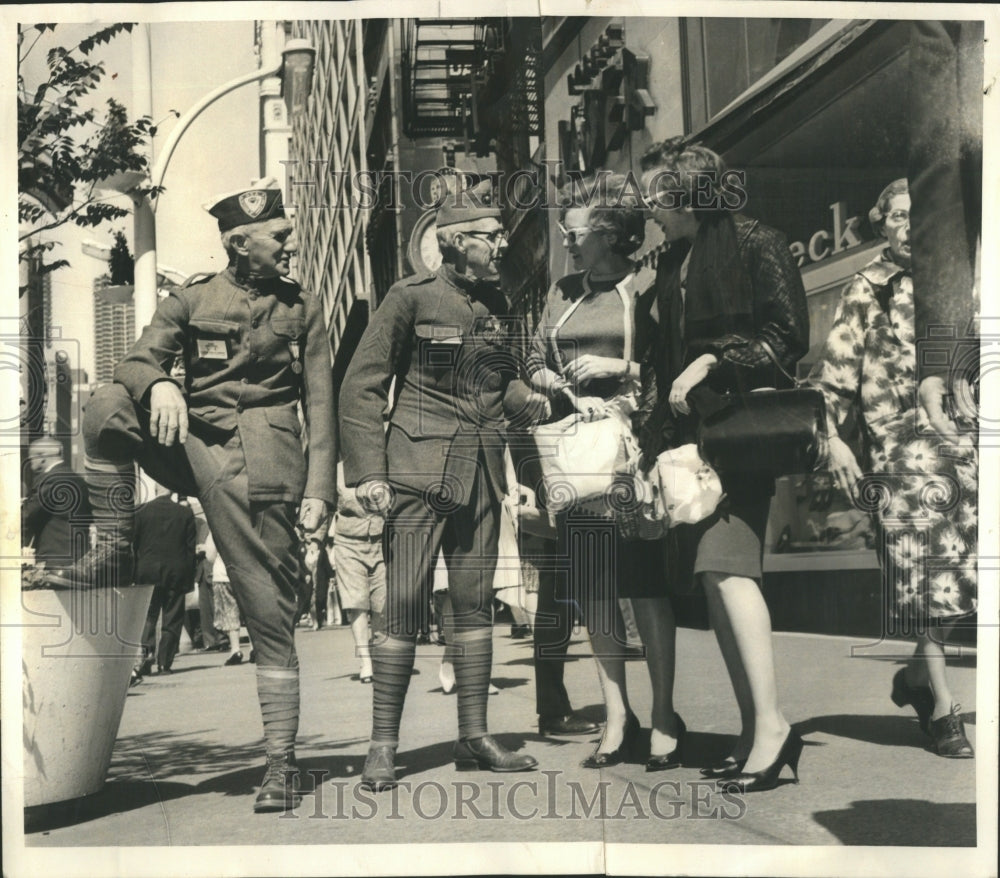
<point>877,215</point>
<point>615,205</point>
<point>684,174</point>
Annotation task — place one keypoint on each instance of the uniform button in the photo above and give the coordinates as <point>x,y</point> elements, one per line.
<point>255,322</point>
<point>239,410</point>
<point>244,381</point>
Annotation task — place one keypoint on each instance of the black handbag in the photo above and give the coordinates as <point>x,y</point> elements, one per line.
<point>765,432</point>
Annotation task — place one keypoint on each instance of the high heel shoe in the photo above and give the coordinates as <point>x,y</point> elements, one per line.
<point>624,750</point>
<point>919,698</point>
<point>760,781</point>
<point>447,677</point>
<point>729,767</point>
<point>673,759</point>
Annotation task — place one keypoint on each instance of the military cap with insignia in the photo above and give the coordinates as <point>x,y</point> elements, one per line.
<point>255,205</point>
<point>468,205</point>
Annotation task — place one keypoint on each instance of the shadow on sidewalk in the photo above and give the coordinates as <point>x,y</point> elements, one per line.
<point>903,822</point>
<point>890,731</point>
<point>116,797</point>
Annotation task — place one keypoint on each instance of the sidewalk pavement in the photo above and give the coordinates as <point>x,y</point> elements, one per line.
<point>189,757</point>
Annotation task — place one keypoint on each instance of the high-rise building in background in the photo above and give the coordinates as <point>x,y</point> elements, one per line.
<point>114,327</point>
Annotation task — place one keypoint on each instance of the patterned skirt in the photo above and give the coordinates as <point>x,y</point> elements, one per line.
<point>923,496</point>
<point>227,614</point>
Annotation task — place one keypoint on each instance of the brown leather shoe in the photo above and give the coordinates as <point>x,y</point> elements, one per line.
<point>107,565</point>
<point>486,754</point>
<point>277,789</point>
<point>571,724</point>
<point>379,772</point>
<point>949,737</point>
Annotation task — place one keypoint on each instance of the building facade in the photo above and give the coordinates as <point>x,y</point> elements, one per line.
<point>813,111</point>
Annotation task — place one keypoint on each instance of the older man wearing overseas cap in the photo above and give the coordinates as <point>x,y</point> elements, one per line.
<point>437,473</point>
<point>254,346</point>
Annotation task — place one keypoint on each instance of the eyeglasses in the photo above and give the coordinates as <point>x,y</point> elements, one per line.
<point>493,237</point>
<point>575,235</point>
<point>898,217</point>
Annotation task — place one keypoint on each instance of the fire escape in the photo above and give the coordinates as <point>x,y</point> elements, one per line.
<point>460,79</point>
<point>478,82</point>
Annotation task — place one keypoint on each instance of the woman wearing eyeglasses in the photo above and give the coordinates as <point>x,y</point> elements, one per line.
<point>727,290</point>
<point>924,497</point>
<point>583,358</point>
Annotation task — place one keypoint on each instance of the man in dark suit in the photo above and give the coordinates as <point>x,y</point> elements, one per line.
<point>165,538</point>
<point>55,514</point>
<point>437,473</point>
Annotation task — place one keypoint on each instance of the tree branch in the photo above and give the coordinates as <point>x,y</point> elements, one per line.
<point>60,220</point>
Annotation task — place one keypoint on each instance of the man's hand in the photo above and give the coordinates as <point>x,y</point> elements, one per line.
<point>168,416</point>
<point>312,515</point>
<point>589,366</point>
<point>843,465</point>
<point>375,496</point>
<point>684,383</point>
<point>932,394</point>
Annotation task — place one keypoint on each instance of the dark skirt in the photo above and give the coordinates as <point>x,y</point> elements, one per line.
<point>600,565</point>
<point>730,541</point>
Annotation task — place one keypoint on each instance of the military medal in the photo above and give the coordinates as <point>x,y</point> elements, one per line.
<point>293,347</point>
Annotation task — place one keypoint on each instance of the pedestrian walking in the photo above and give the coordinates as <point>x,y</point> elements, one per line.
<point>164,543</point>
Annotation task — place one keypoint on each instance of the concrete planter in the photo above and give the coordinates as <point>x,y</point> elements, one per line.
<point>78,650</point>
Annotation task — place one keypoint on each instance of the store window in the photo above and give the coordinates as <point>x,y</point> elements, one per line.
<point>727,56</point>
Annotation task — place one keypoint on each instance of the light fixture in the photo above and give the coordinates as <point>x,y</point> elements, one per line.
<point>297,73</point>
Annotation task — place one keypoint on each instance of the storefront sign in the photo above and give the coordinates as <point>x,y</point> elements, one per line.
<point>845,234</point>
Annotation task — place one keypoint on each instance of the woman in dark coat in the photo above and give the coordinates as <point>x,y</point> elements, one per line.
<point>728,287</point>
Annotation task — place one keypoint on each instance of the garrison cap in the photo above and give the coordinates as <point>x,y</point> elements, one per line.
<point>247,206</point>
<point>468,205</point>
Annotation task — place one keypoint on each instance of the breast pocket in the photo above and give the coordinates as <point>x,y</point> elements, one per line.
<point>213,344</point>
<point>289,342</point>
<point>438,348</point>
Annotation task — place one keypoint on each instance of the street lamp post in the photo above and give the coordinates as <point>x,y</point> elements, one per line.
<point>297,59</point>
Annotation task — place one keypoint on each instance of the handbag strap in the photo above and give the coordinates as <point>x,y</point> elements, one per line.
<point>622,289</point>
<point>774,359</point>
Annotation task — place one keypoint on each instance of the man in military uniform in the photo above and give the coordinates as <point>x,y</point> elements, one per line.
<point>437,473</point>
<point>254,345</point>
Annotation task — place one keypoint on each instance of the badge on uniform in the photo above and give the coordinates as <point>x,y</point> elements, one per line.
<point>295,348</point>
<point>495,329</point>
<point>213,349</point>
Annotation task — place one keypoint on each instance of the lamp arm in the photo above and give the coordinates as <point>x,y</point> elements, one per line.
<point>184,122</point>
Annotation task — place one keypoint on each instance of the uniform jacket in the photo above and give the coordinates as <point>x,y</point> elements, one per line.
<point>165,536</point>
<point>251,351</point>
<point>55,509</point>
<point>440,337</point>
